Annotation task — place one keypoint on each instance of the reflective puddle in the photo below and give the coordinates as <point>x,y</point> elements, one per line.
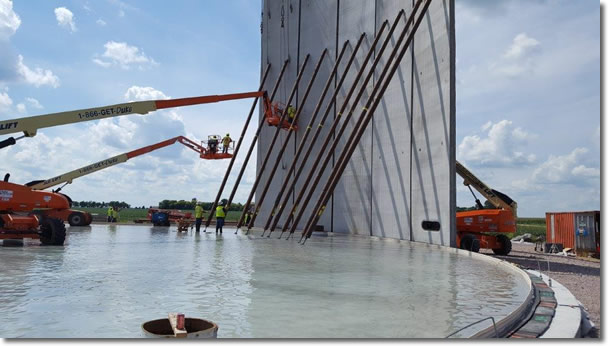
<point>108,280</point>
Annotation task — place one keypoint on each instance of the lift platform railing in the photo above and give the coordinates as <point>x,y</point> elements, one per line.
<point>237,148</point>
<point>366,115</point>
<point>269,179</point>
<point>253,142</point>
<point>332,129</point>
<point>329,153</point>
<point>274,140</point>
<point>312,120</point>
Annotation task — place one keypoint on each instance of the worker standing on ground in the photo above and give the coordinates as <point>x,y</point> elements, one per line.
<point>115,215</point>
<point>291,113</point>
<point>198,215</point>
<point>226,143</point>
<point>110,214</point>
<point>220,215</point>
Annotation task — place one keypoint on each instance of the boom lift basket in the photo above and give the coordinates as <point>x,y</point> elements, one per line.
<point>273,116</point>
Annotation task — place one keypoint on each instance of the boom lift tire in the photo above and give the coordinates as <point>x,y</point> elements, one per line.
<point>76,219</point>
<point>52,231</point>
<point>505,243</point>
<point>469,242</point>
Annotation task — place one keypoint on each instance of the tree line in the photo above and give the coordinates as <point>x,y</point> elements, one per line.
<point>93,204</point>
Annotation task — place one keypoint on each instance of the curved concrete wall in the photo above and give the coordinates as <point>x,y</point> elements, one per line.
<point>402,172</point>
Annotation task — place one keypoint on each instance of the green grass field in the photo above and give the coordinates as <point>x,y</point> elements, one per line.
<point>534,226</point>
<point>128,215</point>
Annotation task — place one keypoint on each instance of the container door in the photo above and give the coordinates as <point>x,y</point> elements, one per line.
<point>585,233</point>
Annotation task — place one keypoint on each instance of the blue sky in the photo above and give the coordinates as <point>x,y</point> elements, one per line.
<point>528,94</point>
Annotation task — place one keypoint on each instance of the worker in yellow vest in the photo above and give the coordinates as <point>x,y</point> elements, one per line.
<point>115,215</point>
<point>198,215</point>
<point>110,214</point>
<point>220,215</point>
<point>291,113</point>
<point>226,143</point>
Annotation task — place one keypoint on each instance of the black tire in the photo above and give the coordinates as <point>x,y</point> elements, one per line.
<point>52,231</point>
<point>76,219</point>
<point>505,243</point>
<point>469,242</point>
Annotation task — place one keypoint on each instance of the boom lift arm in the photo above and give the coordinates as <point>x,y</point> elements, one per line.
<point>30,125</point>
<point>67,178</point>
<point>497,198</point>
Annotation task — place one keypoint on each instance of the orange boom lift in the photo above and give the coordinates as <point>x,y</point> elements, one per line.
<point>478,228</point>
<point>17,202</point>
<point>81,218</point>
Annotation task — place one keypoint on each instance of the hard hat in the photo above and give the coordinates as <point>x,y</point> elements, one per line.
<point>227,134</point>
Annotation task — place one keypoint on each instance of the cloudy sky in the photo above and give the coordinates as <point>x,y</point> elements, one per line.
<point>528,94</point>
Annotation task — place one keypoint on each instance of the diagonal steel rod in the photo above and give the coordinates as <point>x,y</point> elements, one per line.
<point>306,133</point>
<point>255,137</point>
<point>260,199</point>
<point>236,150</point>
<point>274,139</point>
<point>321,124</point>
<point>335,142</point>
<point>366,115</point>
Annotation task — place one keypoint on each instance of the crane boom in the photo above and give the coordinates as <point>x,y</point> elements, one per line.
<point>497,198</point>
<point>112,161</point>
<point>30,125</point>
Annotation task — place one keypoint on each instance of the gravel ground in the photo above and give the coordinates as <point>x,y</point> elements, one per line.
<point>580,275</point>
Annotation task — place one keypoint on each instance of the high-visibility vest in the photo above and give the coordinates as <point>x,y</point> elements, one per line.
<point>198,212</point>
<point>226,141</point>
<point>115,214</point>
<point>219,211</point>
<point>291,112</point>
<point>110,211</point>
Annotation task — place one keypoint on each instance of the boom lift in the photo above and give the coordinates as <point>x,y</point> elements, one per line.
<point>17,202</point>
<point>81,218</point>
<point>474,228</point>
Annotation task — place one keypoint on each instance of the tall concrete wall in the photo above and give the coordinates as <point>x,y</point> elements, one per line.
<point>402,171</point>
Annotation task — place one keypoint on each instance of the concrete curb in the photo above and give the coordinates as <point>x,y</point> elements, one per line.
<point>570,320</point>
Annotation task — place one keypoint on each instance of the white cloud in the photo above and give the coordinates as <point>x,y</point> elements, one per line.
<point>5,102</point>
<point>33,102</point>
<point>519,59</point>
<point>520,46</point>
<point>37,77</point>
<point>21,108</point>
<point>101,22</point>
<point>102,63</point>
<point>137,93</point>
<point>565,169</point>
<point>499,148</point>
<point>65,18</point>
<point>9,20</point>
<point>123,55</point>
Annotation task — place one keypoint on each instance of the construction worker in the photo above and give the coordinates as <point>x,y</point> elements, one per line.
<point>213,141</point>
<point>115,215</point>
<point>110,214</point>
<point>220,215</point>
<point>198,215</point>
<point>291,113</point>
<point>226,143</point>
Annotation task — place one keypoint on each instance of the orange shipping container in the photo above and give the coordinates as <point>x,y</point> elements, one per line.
<point>560,229</point>
<point>579,231</point>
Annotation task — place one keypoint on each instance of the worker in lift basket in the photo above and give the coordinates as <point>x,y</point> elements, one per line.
<point>213,141</point>
<point>110,214</point>
<point>291,113</point>
<point>198,215</point>
<point>226,143</point>
<point>220,215</point>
